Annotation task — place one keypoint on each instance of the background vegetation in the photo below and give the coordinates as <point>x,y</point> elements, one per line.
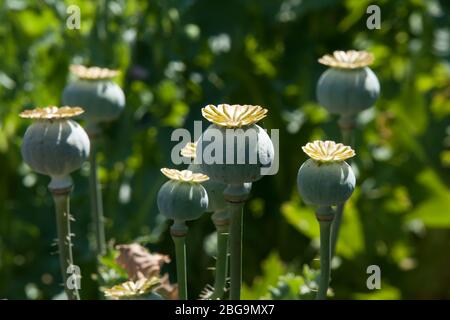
<point>176,57</point>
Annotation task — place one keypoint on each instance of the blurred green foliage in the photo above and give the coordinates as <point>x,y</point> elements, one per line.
<point>176,57</point>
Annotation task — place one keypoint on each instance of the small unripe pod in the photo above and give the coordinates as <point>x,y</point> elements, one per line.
<point>326,179</point>
<point>101,98</point>
<point>55,145</point>
<point>325,184</point>
<point>349,86</point>
<point>242,148</point>
<point>182,198</point>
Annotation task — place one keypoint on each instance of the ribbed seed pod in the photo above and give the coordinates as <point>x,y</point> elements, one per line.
<point>101,98</point>
<point>326,179</point>
<point>55,145</point>
<point>241,148</point>
<point>349,86</point>
<point>182,198</point>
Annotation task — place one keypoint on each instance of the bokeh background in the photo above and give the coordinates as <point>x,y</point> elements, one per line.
<point>178,56</point>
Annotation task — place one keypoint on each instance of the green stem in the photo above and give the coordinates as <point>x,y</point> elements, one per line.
<point>221,262</point>
<point>347,125</point>
<point>325,257</point>
<point>236,211</point>
<point>61,198</point>
<point>96,202</point>
<point>178,232</point>
<point>236,195</point>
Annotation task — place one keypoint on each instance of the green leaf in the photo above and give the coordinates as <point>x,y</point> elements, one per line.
<point>272,269</point>
<point>386,292</point>
<point>433,212</point>
<point>301,218</point>
<point>351,240</point>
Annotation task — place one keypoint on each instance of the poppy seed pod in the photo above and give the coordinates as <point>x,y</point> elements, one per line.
<point>326,179</point>
<point>182,198</point>
<point>55,145</point>
<point>349,86</point>
<point>101,98</point>
<point>234,150</point>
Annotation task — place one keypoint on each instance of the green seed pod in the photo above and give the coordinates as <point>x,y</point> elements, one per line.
<point>349,86</point>
<point>182,198</point>
<point>55,145</point>
<point>326,179</point>
<point>234,150</point>
<point>101,98</point>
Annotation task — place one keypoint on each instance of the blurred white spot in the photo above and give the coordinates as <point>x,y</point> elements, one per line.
<point>173,68</point>
<point>366,116</point>
<point>287,12</point>
<point>304,289</point>
<point>6,81</point>
<point>124,193</point>
<point>32,291</point>
<point>192,31</point>
<point>29,180</point>
<point>220,43</point>
<point>129,35</point>
<point>416,226</point>
<point>382,153</point>
<point>441,42</point>
<point>294,119</point>
<point>416,23</point>
<point>173,14</point>
<point>196,77</point>
<point>434,8</point>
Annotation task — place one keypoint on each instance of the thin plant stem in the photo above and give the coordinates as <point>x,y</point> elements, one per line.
<point>325,257</point>
<point>61,197</point>
<point>96,202</point>
<point>236,195</point>
<point>236,210</point>
<point>221,262</point>
<point>347,131</point>
<point>180,256</point>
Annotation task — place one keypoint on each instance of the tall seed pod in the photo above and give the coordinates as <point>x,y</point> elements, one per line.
<point>325,180</point>
<point>234,150</point>
<point>348,87</point>
<point>103,101</point>
<point>55,146</point>
<point>182,199</point>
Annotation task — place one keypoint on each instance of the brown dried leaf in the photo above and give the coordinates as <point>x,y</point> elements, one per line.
<point>139,262</point>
